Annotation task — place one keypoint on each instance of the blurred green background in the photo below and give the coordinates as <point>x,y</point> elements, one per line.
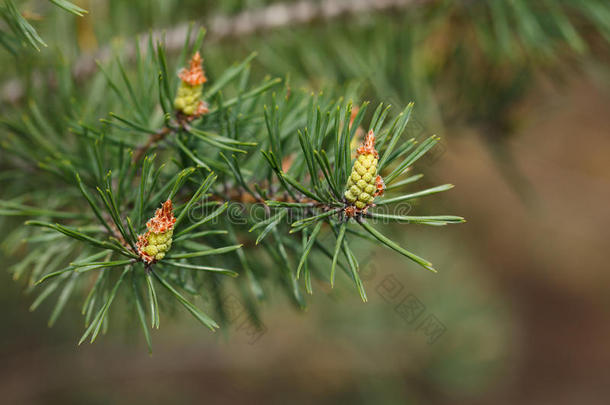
<point>520,303</point>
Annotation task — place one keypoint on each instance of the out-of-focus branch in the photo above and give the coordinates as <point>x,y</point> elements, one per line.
<point>223,27</point>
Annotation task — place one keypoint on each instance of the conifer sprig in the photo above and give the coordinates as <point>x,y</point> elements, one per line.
<point>21,31</point>
<point>314,179</point>
<point>252,169</point>
<point>115,245</point>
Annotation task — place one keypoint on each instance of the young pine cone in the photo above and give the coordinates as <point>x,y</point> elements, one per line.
<point>153,245</point>
<point>364,184</point>
<point>188,100</point>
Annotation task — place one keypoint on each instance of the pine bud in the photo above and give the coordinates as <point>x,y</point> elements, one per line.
<point>188,100</point>
<point>364,184</point>
<point>153,245</point>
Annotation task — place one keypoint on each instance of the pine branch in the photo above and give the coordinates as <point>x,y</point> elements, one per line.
<point>288,157</point>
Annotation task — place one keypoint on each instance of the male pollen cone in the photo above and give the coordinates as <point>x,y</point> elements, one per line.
<point>188,99</point>
<point>157,240</point>
<point>364,184</point>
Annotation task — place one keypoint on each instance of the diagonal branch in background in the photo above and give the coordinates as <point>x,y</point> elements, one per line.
<point>182,123</point>
<point>152,140</point>
<point>248,22</point>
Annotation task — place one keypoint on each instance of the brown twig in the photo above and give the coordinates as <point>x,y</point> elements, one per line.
<point>182,123</point>
<point>152,140</point>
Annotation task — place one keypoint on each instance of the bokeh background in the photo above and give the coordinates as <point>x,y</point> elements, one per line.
<point>520,305</point>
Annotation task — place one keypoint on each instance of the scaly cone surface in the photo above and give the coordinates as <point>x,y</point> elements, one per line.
<point>364,184</point>
<point>188,98</point>
<point>153,245</point>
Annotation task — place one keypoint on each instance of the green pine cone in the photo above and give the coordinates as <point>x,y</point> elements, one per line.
<point>361,185</point>
<point>188,98</point>
<point>158,244</point>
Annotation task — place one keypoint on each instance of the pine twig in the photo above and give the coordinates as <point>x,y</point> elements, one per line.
<point>152,140</point>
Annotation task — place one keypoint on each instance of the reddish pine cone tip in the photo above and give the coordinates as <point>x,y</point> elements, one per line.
<point>163,220</point>
<point>194,75</point>
<point>368,146</point>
